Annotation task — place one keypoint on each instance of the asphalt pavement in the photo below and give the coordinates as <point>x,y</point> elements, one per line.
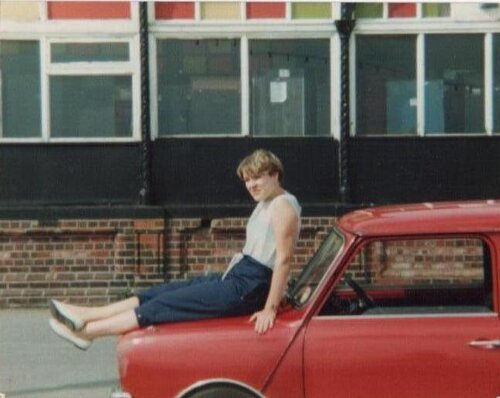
<point>35,363</point>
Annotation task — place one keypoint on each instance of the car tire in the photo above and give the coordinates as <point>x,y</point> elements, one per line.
<point>220,391</point>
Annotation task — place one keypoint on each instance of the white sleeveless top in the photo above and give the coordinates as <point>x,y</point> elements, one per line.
<point>260,240</point>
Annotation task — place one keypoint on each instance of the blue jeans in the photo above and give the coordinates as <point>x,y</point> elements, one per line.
<point>242,291</point>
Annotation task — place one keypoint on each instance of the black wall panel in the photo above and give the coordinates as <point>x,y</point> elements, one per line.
<point>69,174</point>
<point>202,172</point>
<point>392,170</point>
<point>196,176</point>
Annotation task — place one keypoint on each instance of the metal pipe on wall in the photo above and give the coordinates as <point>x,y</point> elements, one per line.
<point>345,27</point>
<point>145,147</point>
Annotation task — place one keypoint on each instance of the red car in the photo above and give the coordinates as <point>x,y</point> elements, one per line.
<point>399,301</point>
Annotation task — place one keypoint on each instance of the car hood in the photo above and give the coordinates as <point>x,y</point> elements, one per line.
<point>161,361</point>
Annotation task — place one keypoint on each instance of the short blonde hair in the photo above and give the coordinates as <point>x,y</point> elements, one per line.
<point>259,162</point>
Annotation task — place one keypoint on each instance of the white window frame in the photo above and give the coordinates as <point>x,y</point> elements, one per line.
<point>256,31</point>
<point>244,29</point>
<point>105,68</point>
<point>48,32</point>
<point>420,26</point>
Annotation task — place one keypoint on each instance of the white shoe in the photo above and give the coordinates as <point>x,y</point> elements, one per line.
<point>64,316</point>
<point>64,332</point>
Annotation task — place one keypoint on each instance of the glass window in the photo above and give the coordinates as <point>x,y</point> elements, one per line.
<point>369,10</point>
<point>88,9</point>
<point>454,83</point>
<point>402,10</point>
<point>220,10</point>
<point>290,87</point>
<point>430,10</point>
<point>386,85</point>
<point>266,10</point>
<point>199,87</point>
<point>89,52</point>
<point>496,83</point>
<point>315,270</point>
<point>91,106</point>
<point>174,10</point>
<point>311,10</point>
<point>21,11</point>
<point>20,115</point>
<point>416,276</point>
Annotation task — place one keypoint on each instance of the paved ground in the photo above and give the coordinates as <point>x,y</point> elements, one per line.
<point>35,363</point>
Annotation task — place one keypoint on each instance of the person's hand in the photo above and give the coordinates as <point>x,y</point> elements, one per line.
<point>264,320</point>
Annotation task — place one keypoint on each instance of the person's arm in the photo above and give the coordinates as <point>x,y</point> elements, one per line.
<point>285,224</point>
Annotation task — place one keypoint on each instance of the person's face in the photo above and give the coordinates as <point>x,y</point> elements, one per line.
<point>263,187</point>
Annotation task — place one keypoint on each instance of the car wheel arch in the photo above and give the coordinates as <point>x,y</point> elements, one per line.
<point>218,388</point>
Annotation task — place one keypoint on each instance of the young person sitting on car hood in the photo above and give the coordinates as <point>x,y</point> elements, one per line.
<point>253,284</point>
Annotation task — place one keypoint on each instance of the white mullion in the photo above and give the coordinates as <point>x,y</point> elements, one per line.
<point>91,69</point>
<point>43,9</point>
<point>420,61</point>
<point>44,87</point>
<point>197,11</point>
<point>243,10</point>
<point>488,83</point>
<point>385,10</point>
<point>153,87</point>
<point>288,10</point>
<point>151,11</point>
<point>420,11</point>
<point>245,86</point>
<point>134,12</point>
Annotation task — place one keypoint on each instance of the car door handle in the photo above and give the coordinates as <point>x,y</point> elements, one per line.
<point>485,344</point>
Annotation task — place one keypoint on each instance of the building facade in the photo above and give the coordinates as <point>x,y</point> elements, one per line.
<point>121,125</point>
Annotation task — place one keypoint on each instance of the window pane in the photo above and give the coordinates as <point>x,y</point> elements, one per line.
<point>368,10</point>
<point>402,10</point>
<point>20,10</point>
<point>416,277</point>
<point>89,52</point>
<point>311,10</point>
<point>91,106</point>
<point>220,10</point>
<point>199,88</point>
<point>88,9</point>
<point>436,10</point>
<point>174,10</point>
<point>496,83</point>
<point>266,10</point>
<point>20,89</point>
<point>290,87</point>
<point>386,85</point>
<point>454,84</point>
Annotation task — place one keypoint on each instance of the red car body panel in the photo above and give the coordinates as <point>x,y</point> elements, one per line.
<point>307,355</point>
<point>203,350</point>
<point>401,357</point>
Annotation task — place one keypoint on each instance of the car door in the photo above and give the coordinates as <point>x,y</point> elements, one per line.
<point>412,318</point>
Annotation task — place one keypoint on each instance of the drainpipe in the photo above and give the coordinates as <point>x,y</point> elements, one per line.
<point>145,148</point>
<point>345,27</point>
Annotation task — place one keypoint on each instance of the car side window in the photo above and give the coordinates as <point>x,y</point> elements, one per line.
<point>415,276</point>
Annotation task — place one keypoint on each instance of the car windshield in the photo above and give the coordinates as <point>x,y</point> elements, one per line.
<point>313,272</point>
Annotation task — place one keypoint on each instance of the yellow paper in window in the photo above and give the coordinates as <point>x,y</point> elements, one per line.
<point>220,10</point>
<point>311,10</point>
<point>23,11</point>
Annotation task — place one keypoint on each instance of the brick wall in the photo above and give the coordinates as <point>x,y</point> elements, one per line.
<point>421,262</point>
<point>96,261</point>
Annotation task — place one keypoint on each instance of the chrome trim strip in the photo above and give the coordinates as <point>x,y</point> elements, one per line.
<point>449,315</point>
<point>208,382</point>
